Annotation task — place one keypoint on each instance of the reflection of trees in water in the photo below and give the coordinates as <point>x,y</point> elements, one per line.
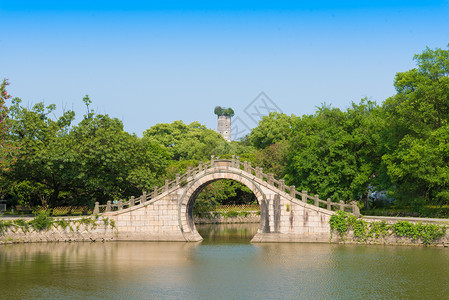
<point>227,233</point>
<point>58,269</point>
<point>112,256</point>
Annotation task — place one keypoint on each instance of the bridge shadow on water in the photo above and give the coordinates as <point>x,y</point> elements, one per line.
<point>237,233</point>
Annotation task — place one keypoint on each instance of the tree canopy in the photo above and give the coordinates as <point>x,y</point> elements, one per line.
<point>94,161</point>
<point>415,141</point>
<point>223,111</point>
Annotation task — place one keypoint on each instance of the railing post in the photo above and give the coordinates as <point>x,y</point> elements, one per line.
<point>249,168</point>
<point>329,204</point>
<point>355,209</point>
<point>155,192</point>
<point>144,197</point>
<point>270,179</point>
<point>304,196</point>
<point>96,208</point>
<point>316,202</point>
<point>178,179</point>
<point>189,171</point>
<point>212,160</point>
<point>120,205</point>
<point>342,205</point>
<point>166,185</point>
<point>282,185</point>
<point>233,161</point>
<point>237,162</point>
<point>292,191</point>
<point>108,206</point>
<point>245,166</point>
<point>200,166</point>
<point>132,201</point>
<point>257,172</point>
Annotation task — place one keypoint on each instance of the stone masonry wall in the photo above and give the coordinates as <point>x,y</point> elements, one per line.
<point>75,232</point>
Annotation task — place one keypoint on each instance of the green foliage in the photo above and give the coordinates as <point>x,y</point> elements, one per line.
<point>231,214</point>
<point>88,222</point>
<point>4,225</point>
<point>226,192</point>
<point>63,223</point>
<point>61,164</point>
<point>244,214</point>
<point>360,230</point>
<point>112,164</point>
<point>427,233</point>
<point>8,150</point>
<point>22,223</point>
<point>343,222</point>
<point>378,229</point>
<point>415,142</point>
<point>275,127</point>
<point>273,159</point>
<point>223,111</point>
<point>203,206</point>
<point>333,153</point>
<point>185,142</point>
<point>42,221</point>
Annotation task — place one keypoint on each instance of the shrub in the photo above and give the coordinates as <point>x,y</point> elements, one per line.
<point>342,222</point>
<point>42,220</point>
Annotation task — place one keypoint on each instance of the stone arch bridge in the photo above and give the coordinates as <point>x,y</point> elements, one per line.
<point>166,214</point>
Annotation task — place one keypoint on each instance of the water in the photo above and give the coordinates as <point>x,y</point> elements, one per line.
<point>224,266</point>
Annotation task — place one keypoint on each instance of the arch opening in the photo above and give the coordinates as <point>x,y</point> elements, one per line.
<point>198,187</point>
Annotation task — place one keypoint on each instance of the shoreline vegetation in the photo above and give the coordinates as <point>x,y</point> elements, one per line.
<point>344,229</point>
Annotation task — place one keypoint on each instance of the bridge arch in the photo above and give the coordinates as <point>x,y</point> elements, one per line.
<point>194,188</point>
<point>167,213</point>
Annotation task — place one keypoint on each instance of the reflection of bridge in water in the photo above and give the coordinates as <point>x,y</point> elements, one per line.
<point>166,214</point>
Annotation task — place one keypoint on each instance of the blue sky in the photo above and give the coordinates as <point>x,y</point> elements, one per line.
<point>148,62</point>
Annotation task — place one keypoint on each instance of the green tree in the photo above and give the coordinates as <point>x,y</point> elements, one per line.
<point>415,144</point>
<point>273,128</point>
<point>93,161</point>
<point>185,142</point>
<point>226,192</point>
<point>7,149</point>
<point>273,159</point>
<point>333,153</point>
<point>39,174</point>
<point>223,111</point>
<point>111,163</point>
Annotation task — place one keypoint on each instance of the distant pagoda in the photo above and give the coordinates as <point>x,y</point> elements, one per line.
<point>224,121</point>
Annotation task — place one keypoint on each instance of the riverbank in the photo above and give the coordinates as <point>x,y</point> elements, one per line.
<point>370,230</point>
<point>366,230</point>
<point>71,229</point>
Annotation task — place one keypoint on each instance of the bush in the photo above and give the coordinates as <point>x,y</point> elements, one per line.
<point>231,214</point>
<point>42,221</point>
<point>342,222</point>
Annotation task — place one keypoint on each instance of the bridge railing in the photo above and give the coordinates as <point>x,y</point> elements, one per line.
<point>234,162</point>
<point>291,190</point>
<point>169,184</point>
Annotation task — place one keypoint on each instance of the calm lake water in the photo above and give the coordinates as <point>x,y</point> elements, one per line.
<point>224,266</point>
